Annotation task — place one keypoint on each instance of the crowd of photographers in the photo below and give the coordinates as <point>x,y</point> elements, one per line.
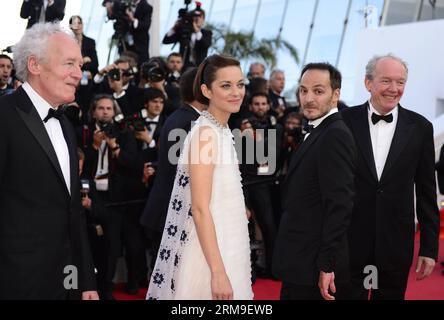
<point>119,114</point>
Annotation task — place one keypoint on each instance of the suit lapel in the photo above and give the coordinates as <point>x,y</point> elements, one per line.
<point>403,132</point>
<point>363,140</point>
<point>32,120</point>
<point>306,145</point>
<point>71,143</point>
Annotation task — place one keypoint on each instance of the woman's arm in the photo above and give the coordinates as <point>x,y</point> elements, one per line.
<point>204,144</point>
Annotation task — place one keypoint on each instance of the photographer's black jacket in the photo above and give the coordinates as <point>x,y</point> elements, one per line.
<point>31,10</point>
<point>200,47</point>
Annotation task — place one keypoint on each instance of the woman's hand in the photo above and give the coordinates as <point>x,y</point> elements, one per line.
<point>221,287</point>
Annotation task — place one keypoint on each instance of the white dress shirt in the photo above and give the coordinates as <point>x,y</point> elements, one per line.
<point>54,130</point>
<point>318,121</point>
<point>151,128</point>
<point>381,135</point>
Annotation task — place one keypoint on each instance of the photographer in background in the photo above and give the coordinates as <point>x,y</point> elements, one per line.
<point>85,90</point>
<point>258,178</point>
<point>154,75</point>
<point>175,66</point>
<point>189,32</point>
<point>6,68</point>
<point>42,11</point>
<point>132,24</point>
<point>110,154</point>
<point>116,79</point>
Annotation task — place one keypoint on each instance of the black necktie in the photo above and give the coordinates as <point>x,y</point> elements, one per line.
<point>387,118</point>
<point>53,113</point>
<point>308,128</point>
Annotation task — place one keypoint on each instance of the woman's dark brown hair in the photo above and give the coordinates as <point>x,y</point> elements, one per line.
<point>206,74</point>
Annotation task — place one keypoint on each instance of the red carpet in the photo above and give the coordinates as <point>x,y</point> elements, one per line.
<point>431,288</point>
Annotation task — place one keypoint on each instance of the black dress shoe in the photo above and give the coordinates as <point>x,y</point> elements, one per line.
<point>106,295</point>
<point>132,289</point>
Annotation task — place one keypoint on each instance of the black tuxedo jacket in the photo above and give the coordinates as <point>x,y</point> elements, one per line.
<point>156,208</point>
<point>42,229</point>
<point>143,13</point>
<point>31,10</point>
<point>200,48</point>
<point>383,225</point>
<point>89,50</point>
<point>317,203</point>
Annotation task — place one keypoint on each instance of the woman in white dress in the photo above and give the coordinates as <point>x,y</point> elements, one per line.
<point>205,251</point>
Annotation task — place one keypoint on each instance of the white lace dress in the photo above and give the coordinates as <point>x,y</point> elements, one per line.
<point>181,271</point>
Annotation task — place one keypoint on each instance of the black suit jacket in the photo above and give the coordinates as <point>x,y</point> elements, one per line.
<point>318,194</point>
<point>143,13</point>
<point>41,227</point>
<point>31,10</point>
<point>383,227</point>
<point>156,208</point>
<point>89,50</point>
<point>200,47</point>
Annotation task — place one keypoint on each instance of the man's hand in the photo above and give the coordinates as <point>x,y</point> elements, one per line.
<point>86,59</point>
<point>327,281</point>
<point>86,202</point>
<point>90,295</point>
<point>98,137</point>
<point>130,15</point>
<point>148,172</point>
<point>143,136</point>
<point>427,265</point>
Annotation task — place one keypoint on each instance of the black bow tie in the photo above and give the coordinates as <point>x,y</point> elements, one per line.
<point>308,128</point>
<point>53,113</point>
<point>387,118</point>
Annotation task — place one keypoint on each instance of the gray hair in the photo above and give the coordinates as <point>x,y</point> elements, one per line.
<point>371,65</point>
<point>275,72</point>
<point>35,43</point>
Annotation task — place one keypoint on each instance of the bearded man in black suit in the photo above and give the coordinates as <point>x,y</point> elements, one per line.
<point>310,254</point>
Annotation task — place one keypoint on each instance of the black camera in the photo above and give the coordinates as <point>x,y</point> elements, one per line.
<point>114,74</point>
<point>121,24</point>
<point>136,120</point>
<point>295,133</point>
<point>109,128</point>
<point>185,22</point>
<point>153,71</point>
<point>256,124</point>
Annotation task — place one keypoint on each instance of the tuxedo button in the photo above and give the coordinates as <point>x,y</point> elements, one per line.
<point>379,191</point>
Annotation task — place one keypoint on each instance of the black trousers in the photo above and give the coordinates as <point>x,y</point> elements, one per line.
<point>390,286</point>
<point>297,292</point>
<point>135,245</point>
<point>260,200</point>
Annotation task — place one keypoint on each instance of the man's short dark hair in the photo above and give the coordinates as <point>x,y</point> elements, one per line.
<point>258,94</point>
<point>186,84</point>
<point>5,56</point>
<point>335,74</point>
<point>174,54</point>
<point>150,94</point>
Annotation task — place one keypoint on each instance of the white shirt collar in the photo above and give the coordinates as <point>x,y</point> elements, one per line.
<point>318,121</point>
<point>39,103</point>
<point>197,110</point>
<point>372,109</point>
<point>155,119</point>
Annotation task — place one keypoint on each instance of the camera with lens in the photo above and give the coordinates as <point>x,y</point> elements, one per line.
<point>295,133</point>
<point>111,129</point>
<point>152,71</point>
<point>185,21</point>
<point>115,73</point>
<point>256,124</point>
<point>118,13</point>
<point>136,120</point>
